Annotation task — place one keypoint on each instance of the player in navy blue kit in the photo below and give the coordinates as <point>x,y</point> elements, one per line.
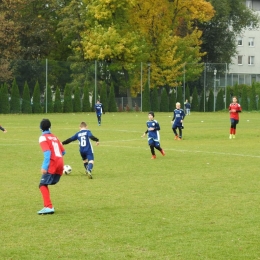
<point>99,111</point>
<point>85,147</point>
<point>153,135</point>
<point>177,121</point>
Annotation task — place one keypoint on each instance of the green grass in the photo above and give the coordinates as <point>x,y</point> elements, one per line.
<point>200,201</point>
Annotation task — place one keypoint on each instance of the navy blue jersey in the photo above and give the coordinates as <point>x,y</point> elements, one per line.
<point>178,115</point>
<point>99,109</point>
<point>153,134</point>
<point>187,105</point>
<point>83,136</point>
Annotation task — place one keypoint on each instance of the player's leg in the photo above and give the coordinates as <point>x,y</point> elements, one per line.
<point>151,144</point>
<point>180,132</point>
<point>99,119</point>
<point>158,147</point>
<point>235,128</point>
<point>47,179</point>
<point>232,127</point>
<point>85,160</point>
<point>90,158</point>
<point>174,129</point>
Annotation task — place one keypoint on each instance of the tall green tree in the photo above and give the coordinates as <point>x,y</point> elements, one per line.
<point>57,108</point>
<point>228,97</point>
<point>93,102</point>
<point>4,100</point>
<point>203,102</point>
<point>67,104</point>
<point>179,95</point>
<point>220,101</point>
<point>77,100</point>
<point>26,101</point>
<point>154,100</point>
<point>15,105</point>
<point>253,105</point>
<point>146,98</point>
<point>187,93</point>
<point>85,100</point>
<point>195,100</point>
<point>211,101</point>
<point>112,107</point>
<point>244,99</point>
<point>172,101</point>
<point>164,104</point>
<point>49,100</point>
<point>103,96</point>
<point>36,107</point>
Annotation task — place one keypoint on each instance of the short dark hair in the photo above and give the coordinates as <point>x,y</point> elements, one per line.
<point>45,124</point>
<point>151,113</point>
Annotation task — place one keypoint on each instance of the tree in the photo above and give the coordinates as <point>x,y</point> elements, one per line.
<point>154,100</point>
<point>26,101</point>
<point>179,95</point>
<point>218,41</point>
<point>93,102</point>
<point>85,100</point>
<point>4,100</point>
<point>49,100</point>
<point>211,101</point>
<point>195,100</point>
<point>187,93</point>
<point>57,103</point>
<point>77,101</point>
<point>164,105</point>
<point>15,106</point>
<point>36,107</point>
<point>103,96</point>
<point>228,97</point>
<point>253,105</point>
<point>67,104</point>
<point>203,102</point>
<point>146,98</point>
<point>112,107</point>
<point>172,101</point>
<point>219,101</point>
<point>244,99</point>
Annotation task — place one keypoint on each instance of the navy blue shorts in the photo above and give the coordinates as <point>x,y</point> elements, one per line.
<point>153,142</point>
<point>49,179</point>
<point>234,121</point>
<point>87,156</point>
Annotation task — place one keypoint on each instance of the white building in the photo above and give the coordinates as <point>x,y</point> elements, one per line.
<point>245,67</point>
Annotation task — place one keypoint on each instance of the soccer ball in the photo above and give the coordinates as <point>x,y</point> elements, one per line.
<point>67,169</point>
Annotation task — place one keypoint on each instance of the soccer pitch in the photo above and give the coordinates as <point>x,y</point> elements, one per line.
<point>200,201</point>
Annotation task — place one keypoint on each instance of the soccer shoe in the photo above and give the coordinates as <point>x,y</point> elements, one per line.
<point>162,152</point>
<point>179,139</point>
<point>89,174</point>
<point>233,136</point>
<point>46,211</point>
<point>153,157</point>
<point>230,136</point>
<point>176,137</point>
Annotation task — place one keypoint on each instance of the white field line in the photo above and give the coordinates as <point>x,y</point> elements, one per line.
<point>106,143</point>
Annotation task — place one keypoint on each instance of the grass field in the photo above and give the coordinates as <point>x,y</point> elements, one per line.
<point>200,201</point>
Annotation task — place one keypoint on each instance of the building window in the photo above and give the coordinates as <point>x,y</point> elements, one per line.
<point>239,41</point>
<point>249,4</point>
<point>240,60</point>
<point>251,41</point>
<point>251,60</point>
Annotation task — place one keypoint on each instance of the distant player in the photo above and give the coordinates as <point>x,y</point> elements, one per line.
<point>187,107</point>
<point>99,111</point>
<point>85,147</point>
<point>3,129</point>
<point>153,135</point>
<point>234,110</point>
<point>52,166</point>
<point>177,121</point>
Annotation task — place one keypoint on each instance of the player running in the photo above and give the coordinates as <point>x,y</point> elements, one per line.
<point>85,147</point>
<point>234,110</point>
<point>153,128</point>
<point>99,111</point>
<point>177,121</point>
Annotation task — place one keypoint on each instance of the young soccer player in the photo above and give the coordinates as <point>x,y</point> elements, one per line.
<point>3,129</point>
<point>52,166</point>
<point>85,147</point>
<point>153,135</point>
<point>187,107</point>
<point>99,111</point>
<point>234,110</point>
<point>177,121</point>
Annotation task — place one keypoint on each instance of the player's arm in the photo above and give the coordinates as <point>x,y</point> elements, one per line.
<point>173,117</point>
<point>71,139</point>
<point>103,110</point>
<point>46,161</point>
<point>157,127</point>
<point>93,138</point>
<point>144,133</point>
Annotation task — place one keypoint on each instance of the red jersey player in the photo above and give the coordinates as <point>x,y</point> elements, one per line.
<point>52,166</point>
<point>234,110</point>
